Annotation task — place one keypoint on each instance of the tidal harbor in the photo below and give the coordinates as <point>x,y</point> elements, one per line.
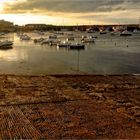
<point>70,52</point>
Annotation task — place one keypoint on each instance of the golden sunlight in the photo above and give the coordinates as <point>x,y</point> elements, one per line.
<point>1,7</point>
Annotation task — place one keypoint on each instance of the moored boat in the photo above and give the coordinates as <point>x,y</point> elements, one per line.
<point>103,32</point>
<point>64,44</point>
<point>25,37</point>
<point>136,31</point>
<point>88,40</point>
<point>6,44</point>
<point>55,42</point>
<point>47,41</point>
<point>71,38</point>
<point>2,33</point>
<point>126,33</point>
<point>52,37</point>
<point>76,46</point>
<point>39,40</point>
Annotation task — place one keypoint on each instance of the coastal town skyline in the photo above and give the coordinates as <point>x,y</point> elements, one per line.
<point>74,12</point>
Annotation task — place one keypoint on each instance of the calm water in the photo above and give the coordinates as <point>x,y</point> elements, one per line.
<point>109,55</point>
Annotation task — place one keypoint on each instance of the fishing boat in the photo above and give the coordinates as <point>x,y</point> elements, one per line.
<point>64,44</point>
<point>60,33</point>
<point>92,36</point>
<point>6,44</point>
<point>1,34</point>
<point>25,37</point>
<point>90,30</point>
<point>39,40</point>
<point>126,33</point>
<point>55,42</point>
<point>76,46</point>
<point>113,33</point>
<point>136,31</point>
<point>69,34</point>
<point>47,41</point>
<point>88,39</point>
<point>52,37</point>
<point>70,38</point>
<point>103,32</point>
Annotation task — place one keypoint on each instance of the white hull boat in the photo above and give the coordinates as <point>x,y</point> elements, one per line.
<point>126,33</point>
<point>25,37</point>
<point>6,44</point>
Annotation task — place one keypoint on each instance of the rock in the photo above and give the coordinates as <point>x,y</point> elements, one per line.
<point>136,108</point>
<point>97,95</point>
<point>121,110</point>
<point>137,113</point>
<point>127,104</point>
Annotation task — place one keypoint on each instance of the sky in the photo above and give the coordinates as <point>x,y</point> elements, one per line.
<point>70,12</point>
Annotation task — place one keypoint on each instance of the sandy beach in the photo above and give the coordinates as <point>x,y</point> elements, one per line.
<point>70,106</point>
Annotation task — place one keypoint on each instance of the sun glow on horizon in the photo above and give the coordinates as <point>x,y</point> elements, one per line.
<point>1,7</point>
<point>23,12</point>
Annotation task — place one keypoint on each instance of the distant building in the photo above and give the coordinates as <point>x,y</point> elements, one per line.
<point>6,26</point>
<point>64,29</point>
<point>35,26</point>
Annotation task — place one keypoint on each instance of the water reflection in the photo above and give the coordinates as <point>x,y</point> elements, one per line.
<point>109,55</point>
<point>13,55</point>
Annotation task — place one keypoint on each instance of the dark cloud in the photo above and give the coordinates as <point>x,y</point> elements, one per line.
<point>70,6</point>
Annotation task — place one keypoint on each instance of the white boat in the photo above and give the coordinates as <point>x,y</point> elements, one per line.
<point>88,39</point>
<point>90,30</point>
<point>39,40</point>
<point>25,37</point>
<point>113,33</point>
<point>136,31</point>
<point>6,44</point>
<point>64,44</point>
<point>1,34</point>
<point>47,41</point>
<point>92,36</point>
<point>126,33</point>
<point>84,36</point>
<point>53,37</point>
<point>41,33</point>
<point>70,38</point>
<point>55,42</point>
<point>60,33</point>
<point>69,34</point>
<point>103,32</point>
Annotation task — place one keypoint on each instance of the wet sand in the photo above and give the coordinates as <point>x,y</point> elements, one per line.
<point>70,106</point>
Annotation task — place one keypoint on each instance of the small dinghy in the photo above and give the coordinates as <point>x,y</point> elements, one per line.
<point>76,46</point>
<point>6,45</point>
<point>25,37</point>
<point>64,44</point>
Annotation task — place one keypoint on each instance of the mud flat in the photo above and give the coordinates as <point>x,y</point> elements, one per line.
<point>70,107</point>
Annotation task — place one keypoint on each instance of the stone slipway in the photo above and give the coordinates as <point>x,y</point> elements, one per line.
<point>69,107</point>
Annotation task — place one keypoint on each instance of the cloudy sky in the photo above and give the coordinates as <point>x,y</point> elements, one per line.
<point>70,11</point>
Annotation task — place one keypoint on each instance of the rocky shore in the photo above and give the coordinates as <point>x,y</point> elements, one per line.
<point>70,107</point>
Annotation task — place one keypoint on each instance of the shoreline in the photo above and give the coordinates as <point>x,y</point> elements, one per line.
<point>70,106</point>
